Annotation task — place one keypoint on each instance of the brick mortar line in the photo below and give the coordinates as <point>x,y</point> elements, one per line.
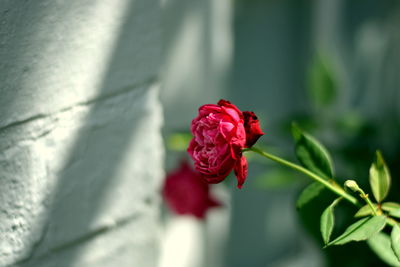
<point>78,241</point>
<point>99,98</point>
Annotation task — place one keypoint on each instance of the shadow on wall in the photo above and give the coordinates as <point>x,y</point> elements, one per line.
<point>96,186</point>
<point>194,71</point>
<point>271,39</point>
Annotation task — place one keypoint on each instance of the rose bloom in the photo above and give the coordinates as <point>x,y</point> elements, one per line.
<point>186,193</point>
<point>220,133</point>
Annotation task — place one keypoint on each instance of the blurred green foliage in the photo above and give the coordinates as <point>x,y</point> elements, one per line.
<point>352,140</point>
<point>178,141</point>
<point>322,84</point>
<point>277,179</point>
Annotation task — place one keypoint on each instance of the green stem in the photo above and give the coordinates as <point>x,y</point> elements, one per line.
<point>351,184</point>
<point>334,188</point>
<point>366,198</point>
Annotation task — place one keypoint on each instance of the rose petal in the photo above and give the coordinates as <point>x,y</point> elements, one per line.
<point>225,128</point>
<point>225,103</point>
<point>240,169</point>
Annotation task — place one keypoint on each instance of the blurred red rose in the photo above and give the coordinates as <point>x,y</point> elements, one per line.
<point>220,133</point>
<point>185,192</point>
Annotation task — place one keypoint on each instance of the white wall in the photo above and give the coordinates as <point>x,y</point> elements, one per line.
<point>197,45</point>
<point>197,51</point>
<point>80,145</point>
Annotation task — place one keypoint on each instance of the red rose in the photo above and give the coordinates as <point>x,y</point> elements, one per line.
<point>186,193</point>
<point>252,127</point>
<point>220,133</point>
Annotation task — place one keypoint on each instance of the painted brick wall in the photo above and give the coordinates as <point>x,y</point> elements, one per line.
<point>80,146</point>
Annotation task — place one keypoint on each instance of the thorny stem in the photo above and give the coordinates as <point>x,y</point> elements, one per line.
<point>333,187</point>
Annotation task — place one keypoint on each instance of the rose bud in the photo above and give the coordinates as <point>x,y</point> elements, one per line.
<point>185,192</point>
<point>219,135</point>
<point>252,127</point>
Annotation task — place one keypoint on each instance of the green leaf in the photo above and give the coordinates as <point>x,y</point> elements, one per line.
<point>328,221</point>
<point>322,83</point>
<point>309,193</point>
<point>178,141</point>
<point>392,208</point>
<point>380,243</point>
<point>379,178</point>
<point>312,154</point>
<point>395,240</point>
<point>361,230</point>
<point>365,211</point>
<point>297,133</point>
